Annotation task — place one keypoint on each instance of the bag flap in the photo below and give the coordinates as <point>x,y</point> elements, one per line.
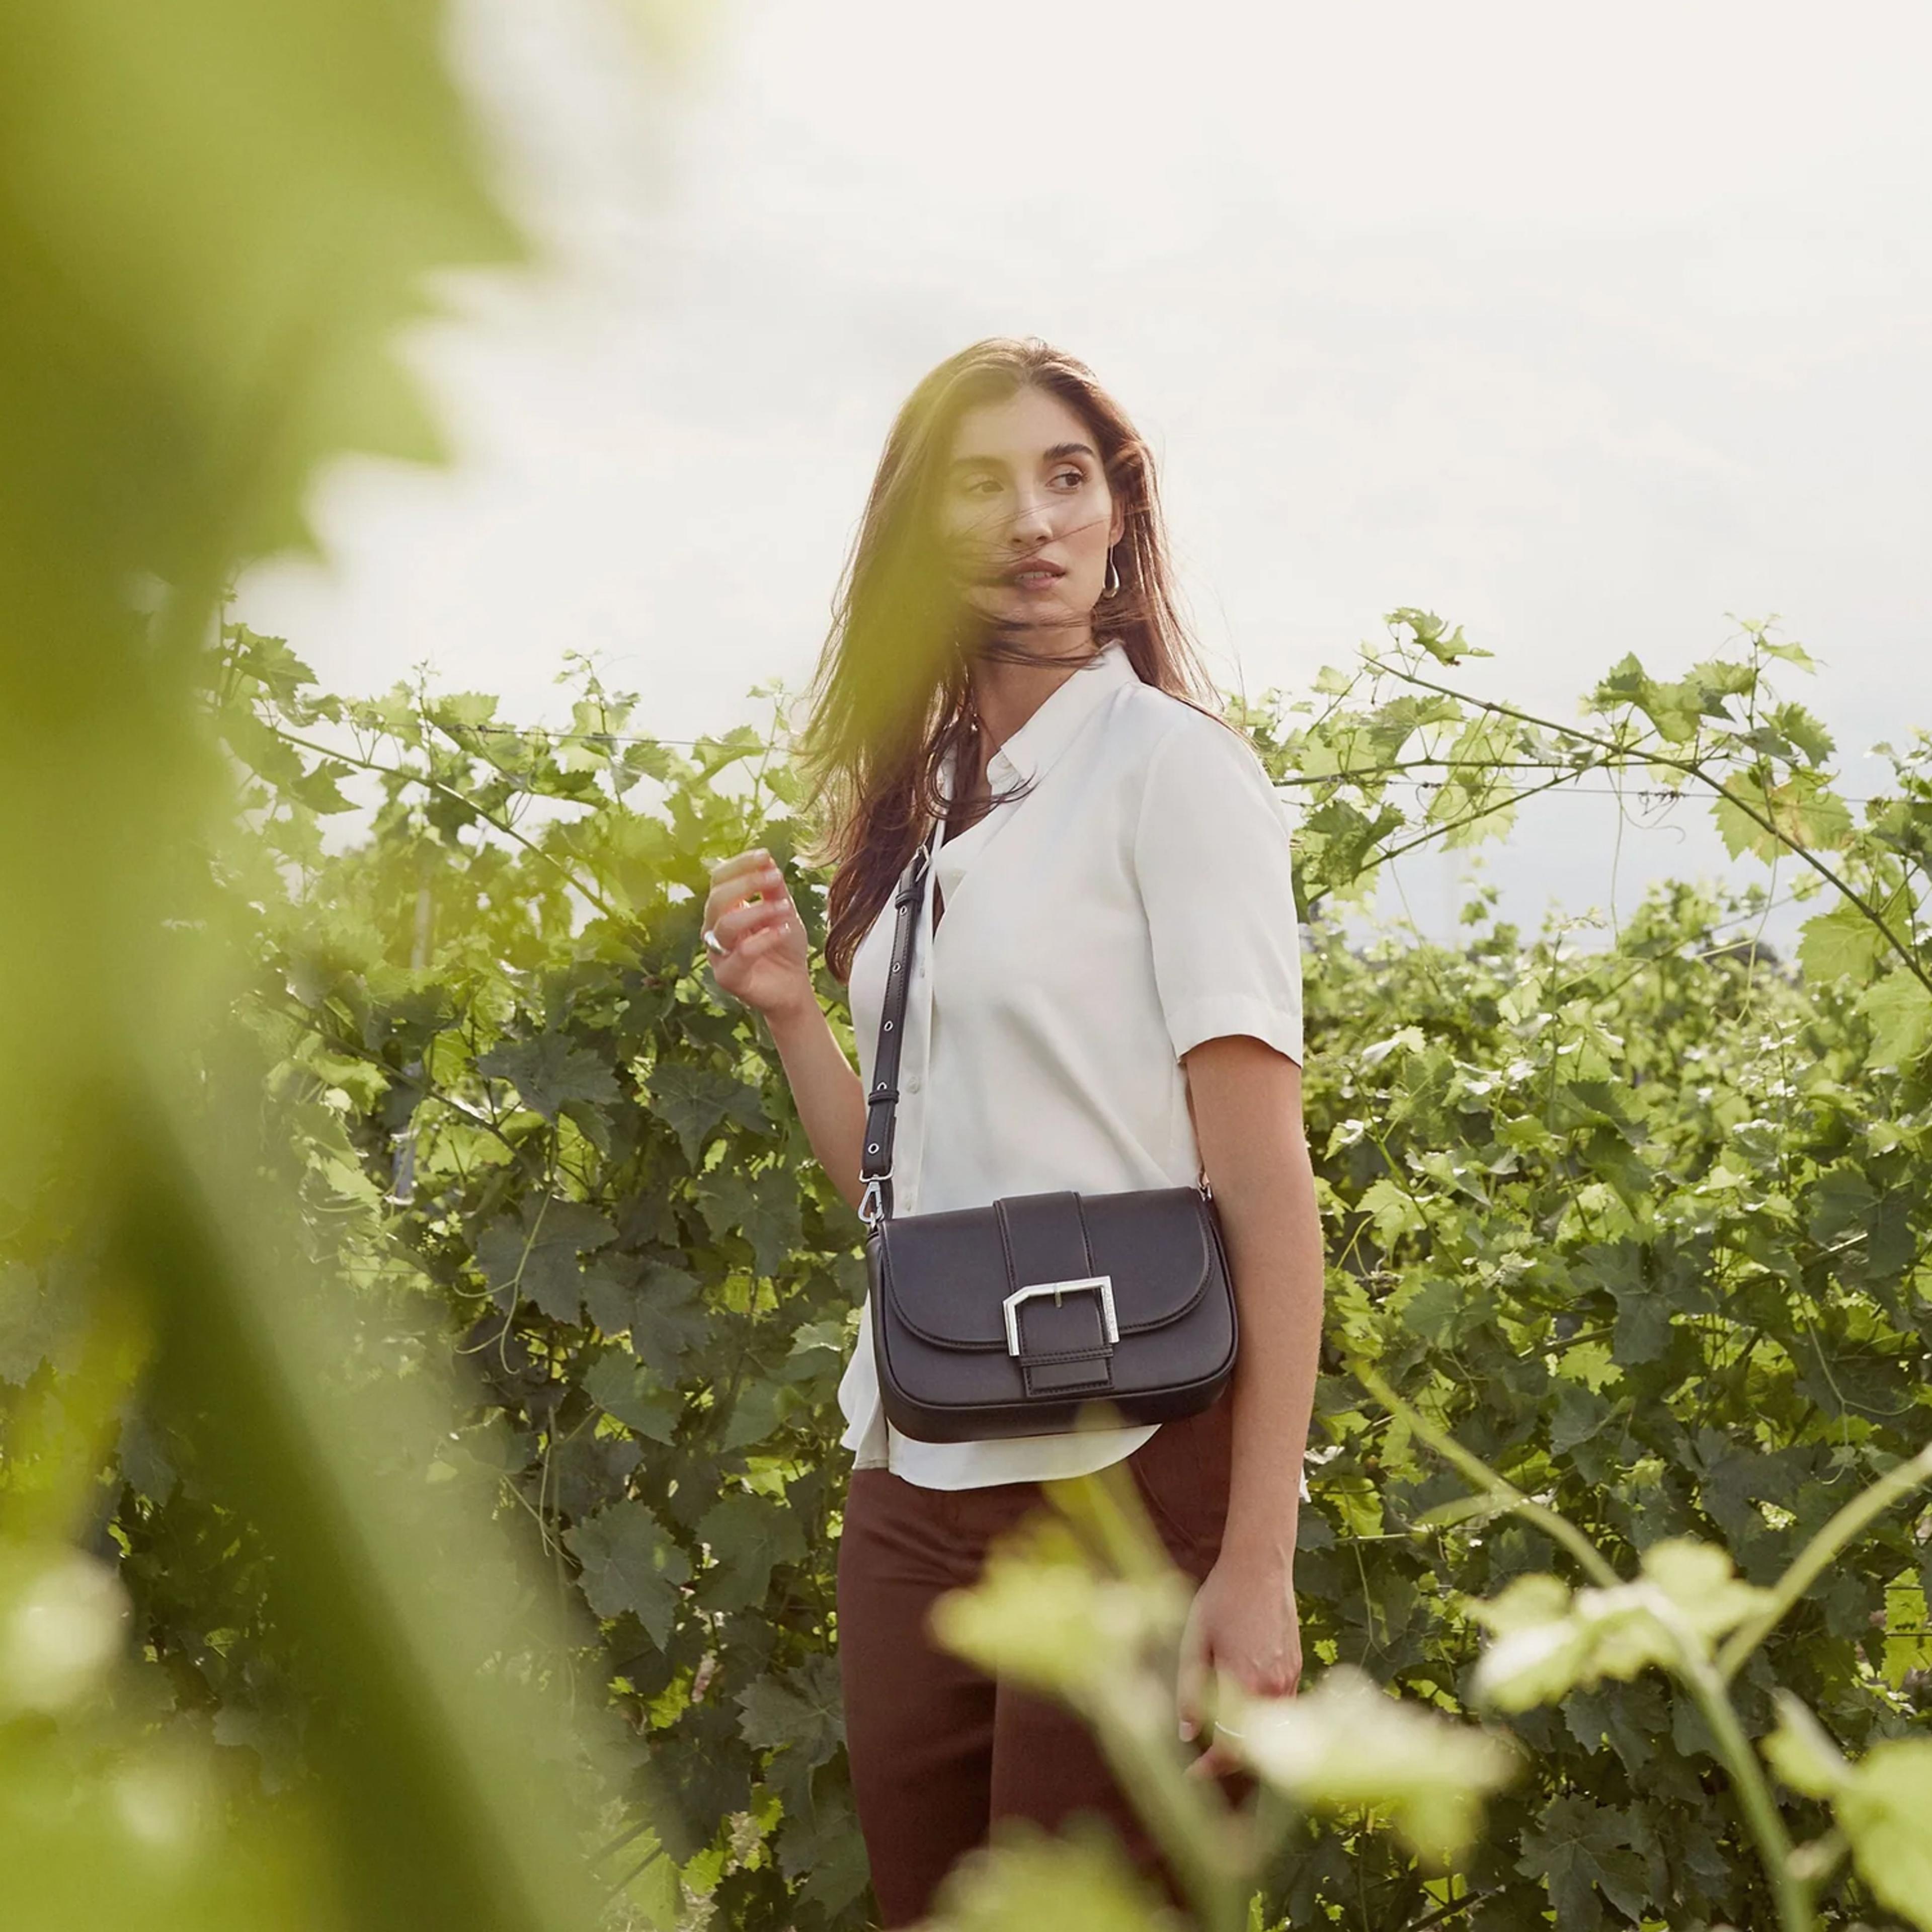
<point>947,1275</point>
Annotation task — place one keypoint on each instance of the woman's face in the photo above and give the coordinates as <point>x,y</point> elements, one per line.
<point>1026,512</point>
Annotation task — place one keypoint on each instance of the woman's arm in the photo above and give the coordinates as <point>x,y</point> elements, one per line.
<point>1246,1102</point>
<point>767,965</point>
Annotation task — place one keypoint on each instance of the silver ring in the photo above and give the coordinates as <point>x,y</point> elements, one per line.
<point>712,944</point>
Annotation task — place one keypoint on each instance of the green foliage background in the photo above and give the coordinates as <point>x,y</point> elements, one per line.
<point>1640,1222</point>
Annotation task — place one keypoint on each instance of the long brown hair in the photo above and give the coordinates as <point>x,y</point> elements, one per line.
<point>893,696</point>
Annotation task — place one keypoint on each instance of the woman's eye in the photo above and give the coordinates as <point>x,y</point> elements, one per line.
<point>1069,479</point>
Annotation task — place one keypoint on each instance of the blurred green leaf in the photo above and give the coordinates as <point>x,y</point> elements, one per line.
<point>1883,1808</point>
<point>1549,1642</point>
<point>1801,1753</point>
<point>62,1626</point>
<point>1882,1803</point>
<point>1079,1883</point>
<point>1042,1616</point>
<point>1345,1744</point>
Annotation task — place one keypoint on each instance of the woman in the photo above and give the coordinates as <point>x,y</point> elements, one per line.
<point>1106,996</point>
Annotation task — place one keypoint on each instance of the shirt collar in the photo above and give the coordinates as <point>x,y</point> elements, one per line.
<point>1041,739</point>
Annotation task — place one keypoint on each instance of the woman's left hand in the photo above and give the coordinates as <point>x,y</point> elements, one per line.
<point>1242,1624</point>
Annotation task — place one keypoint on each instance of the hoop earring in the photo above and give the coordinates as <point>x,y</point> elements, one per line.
<point>1112,588</point>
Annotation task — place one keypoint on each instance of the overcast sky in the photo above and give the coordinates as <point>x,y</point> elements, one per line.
<point>1585,327</point>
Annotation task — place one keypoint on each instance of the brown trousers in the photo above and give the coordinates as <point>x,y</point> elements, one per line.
<point>940,1753</point>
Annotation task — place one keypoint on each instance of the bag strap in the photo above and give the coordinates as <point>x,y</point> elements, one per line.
<point>882,1098</point>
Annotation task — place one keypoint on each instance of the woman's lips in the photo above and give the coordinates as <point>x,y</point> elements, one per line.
<point>1036,576</point>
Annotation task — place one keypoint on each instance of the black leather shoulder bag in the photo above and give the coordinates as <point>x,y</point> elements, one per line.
<point>1009,1319</point>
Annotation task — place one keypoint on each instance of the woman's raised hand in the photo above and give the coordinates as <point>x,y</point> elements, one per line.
<point>761,956</point>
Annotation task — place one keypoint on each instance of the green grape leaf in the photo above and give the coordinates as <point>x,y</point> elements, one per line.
<point>1803,729</point>
<point>534,1257</point>
<point>1741,831</point>
<point>630,1564</point>
<point>798,1711</point>
<point>1733,1483</point>
<point>271,664</point>
<point>764,1208</point>
<point>626,1390</point>
<point>667,1320</point>
<point>1841,943</point>
<point>586,1470</point>
<point>550,1071</point>
<point>1702,1587</point>
<point>457,711</point>
<point>1580,1412</point>
<point>1580,1849</point>
<point>320,787</point>
<point>829,1336</point>
<point>1541,1652</point>
<point>692,1100</point>
<point>1431,633</point>
<point>826,1852</point>
<point>654,1892</point>
<point>1900,1009</point>
<point>746,1535</point>
<point>760,1407</point>
<point>1842,1201</point>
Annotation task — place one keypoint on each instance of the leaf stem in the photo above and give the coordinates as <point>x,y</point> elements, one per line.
<point>1468,1900</point>
<point>1178,1812</point>
<point>1791,1894</point>
<point>1481,1477</point>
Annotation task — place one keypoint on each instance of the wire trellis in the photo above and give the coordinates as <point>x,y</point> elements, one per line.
<point>1645,796</point>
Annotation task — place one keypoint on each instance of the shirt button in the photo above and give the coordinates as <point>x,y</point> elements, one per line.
<point>913,1084</point>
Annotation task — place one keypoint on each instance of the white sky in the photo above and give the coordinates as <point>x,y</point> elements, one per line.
<point>1583,327</point>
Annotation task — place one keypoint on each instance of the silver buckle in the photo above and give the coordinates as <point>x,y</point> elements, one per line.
<point>872,1202</point>
<point>1102,1284</point>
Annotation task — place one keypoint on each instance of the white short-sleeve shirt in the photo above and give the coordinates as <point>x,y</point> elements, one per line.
<point>1136,900</point>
